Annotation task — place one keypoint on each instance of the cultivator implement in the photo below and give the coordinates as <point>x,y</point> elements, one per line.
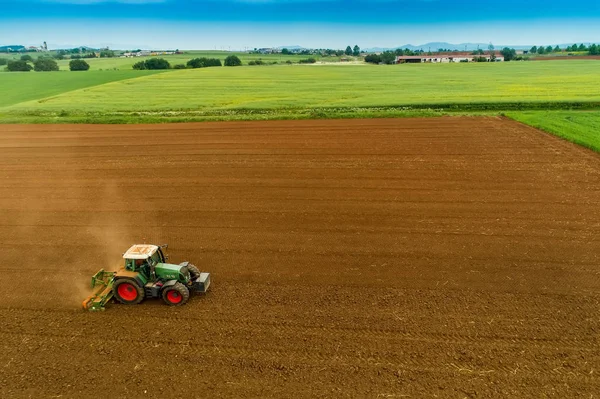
<point>102,284</point>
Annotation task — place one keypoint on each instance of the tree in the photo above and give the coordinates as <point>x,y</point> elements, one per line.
<point>509,54</point>
<point>204,62</point>
<point>557,49</point>
<point>492,52</point>
<point>139,65</point>
<point>373,59</point>
<point>356,51</point>
<point>18,66</point>
<point>594,49</point>
<point>45,65</point>
<point>157,63</point>
<point>582,47</point>
<point>26,58</point>
<point>152,63</point>
<point>3,61</point>
<point>285,51</point>
<point>541,50</point>
<point>78,65</point>
<point>388,57</point>
<point>233,60</point>
<point>348,50</point>
<point>533,50</point>
<point>549,49</point>
<point>107,53</point>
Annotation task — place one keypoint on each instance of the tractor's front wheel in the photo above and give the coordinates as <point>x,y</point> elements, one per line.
<point>128,292</point>
<point>194,272</point>
<point>176,294</point>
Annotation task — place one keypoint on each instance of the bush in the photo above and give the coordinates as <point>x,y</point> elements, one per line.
<point>233,60</point>
<point>288,62</point>
<point>26,58</point>
<point>308,61</point>
<point>139,65</point>
<point>256,62</point>
<point>157,63</point>
<point>179,66</point>
<point>388,57</point>
<point>204,62</point>
<point>107,54</point>
<point>152,63</point>
<point>3,61</point>
<point>45,65</point>
<point>373,59</point>
<point>18,66</point>
<point>78,65</point>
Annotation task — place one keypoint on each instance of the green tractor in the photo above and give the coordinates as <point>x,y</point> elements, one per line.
<point>146,274</point>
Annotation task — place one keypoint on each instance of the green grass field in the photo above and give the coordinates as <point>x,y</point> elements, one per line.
<point>580,127</point>
<point>118,63</point>
<point>499,86</point>
<point>542,94</point>
<point>18,87</point>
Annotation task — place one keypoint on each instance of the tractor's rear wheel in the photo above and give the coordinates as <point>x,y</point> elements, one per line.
<point>128,292</point>
<point>194,272</point>
<point>176,294</point>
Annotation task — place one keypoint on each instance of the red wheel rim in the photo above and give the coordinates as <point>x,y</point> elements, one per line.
<point>128,292</point>
<point>174,296</point>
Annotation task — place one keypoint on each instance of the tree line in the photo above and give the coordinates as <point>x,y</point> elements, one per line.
<point>41,64</point>
<point>350,51</point>
<point>202,62</point>
<point>593,49</point>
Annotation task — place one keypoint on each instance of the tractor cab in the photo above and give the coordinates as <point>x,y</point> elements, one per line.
<point>141,257</point>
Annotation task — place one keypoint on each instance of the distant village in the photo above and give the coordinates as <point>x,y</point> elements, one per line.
<point>387,56</point>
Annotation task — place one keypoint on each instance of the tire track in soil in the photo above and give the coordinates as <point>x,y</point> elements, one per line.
<point>478,232</point>
<point>373,333</point>
<point>202,350</point>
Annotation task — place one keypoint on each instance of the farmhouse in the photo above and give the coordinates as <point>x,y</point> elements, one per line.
<point>443,58</point>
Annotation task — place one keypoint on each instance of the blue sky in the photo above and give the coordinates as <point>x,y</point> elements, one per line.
<point>238,24</point>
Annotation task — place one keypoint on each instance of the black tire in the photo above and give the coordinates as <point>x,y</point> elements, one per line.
<point>176,294</point>
<point>194,272</point>
<point>128,292</point>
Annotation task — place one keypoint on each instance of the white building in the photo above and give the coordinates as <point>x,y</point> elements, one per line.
<point>442,58</point>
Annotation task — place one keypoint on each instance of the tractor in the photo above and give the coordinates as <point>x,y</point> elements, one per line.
<point>146,274</point>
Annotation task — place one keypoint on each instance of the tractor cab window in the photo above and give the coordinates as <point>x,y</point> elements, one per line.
<point>130,264</point>
<point>155,258</point>
<point>139,263</point>
<point>161,255</point>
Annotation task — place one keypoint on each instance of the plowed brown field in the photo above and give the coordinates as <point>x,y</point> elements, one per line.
<point>452,257</point>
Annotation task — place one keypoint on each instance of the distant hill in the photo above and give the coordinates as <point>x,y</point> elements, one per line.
<point>295,47</point>
<point>434,46</point>
<point>12,47</point>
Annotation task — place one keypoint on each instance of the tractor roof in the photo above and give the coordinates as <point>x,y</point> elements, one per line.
<point>140,251</point>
